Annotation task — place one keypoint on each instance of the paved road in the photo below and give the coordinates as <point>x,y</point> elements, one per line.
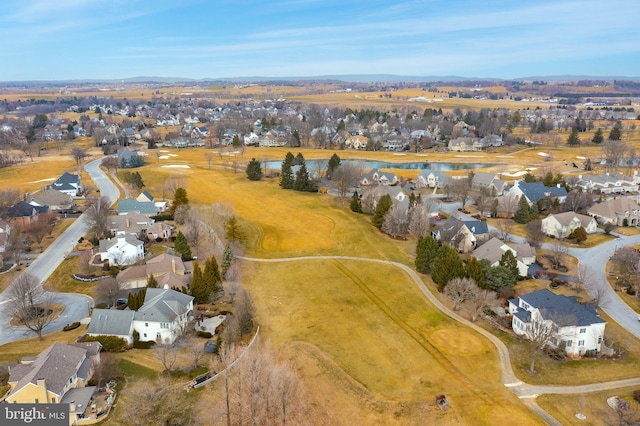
<point>526,392</point>
<point>76,305</point>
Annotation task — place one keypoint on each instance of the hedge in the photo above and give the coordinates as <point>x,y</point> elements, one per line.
<point>109,343</point>
<point>69,327</point>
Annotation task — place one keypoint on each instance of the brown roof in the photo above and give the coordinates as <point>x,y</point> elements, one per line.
<point>56,365</point>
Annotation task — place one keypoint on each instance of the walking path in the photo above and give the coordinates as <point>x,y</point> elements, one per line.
<point>526,392</point>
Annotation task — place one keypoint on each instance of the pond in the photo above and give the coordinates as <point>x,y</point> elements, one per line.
<point>371,164</point>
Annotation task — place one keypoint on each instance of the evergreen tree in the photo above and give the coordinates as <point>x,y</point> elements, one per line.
<point>212,278</point>
<point>497,277</point>
<point>232,229</point>
<point>356,204</point>
<point>152,282</point>
<point>179,199</point>
<point>199,289</point>
<point>334,162</point>
<point>236,141</point>
<point>302,182</point>
<point>227,260</point>
<point>598,137</point>
<point>475,272</point>
<point>446,266</point>
<point>523,212</point>
<point>254,170</point>
<point>573,138</point>
<point>296,137</point>
<point>383,206</point>
<point>509,261</point>
<point>426,251</point>
<point>181,246</point>
<point>299,160</point>
<point>616,132</point>
<point>286,174</point>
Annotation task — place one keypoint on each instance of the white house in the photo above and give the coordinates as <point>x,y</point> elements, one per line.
<point>561,225</point>
<point>609,183</point>
<point>121,250</point>
<point>579,328</point>
<point>429,178</point>
<point>376,177</point>
<point>493,250</point>
<point>164,315</point>
<point>5,230</point>
<point>68,183</point>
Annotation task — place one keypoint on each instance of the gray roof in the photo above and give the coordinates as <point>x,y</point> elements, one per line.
<point>51,197</point>
<point>81,397</point>
<point>56,365</point>
<point>563,310</point>
<point>491,250</point>
<point>67,178</point>
<point>143,207</point>
<point>110,322</point>
<point>534,191</point>
<point>163,305</point>
<point>477,227</point>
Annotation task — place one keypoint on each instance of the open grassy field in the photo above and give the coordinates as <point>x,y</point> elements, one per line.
<point>14,351</point>
<point>593,405</point>
<point>366,327</point>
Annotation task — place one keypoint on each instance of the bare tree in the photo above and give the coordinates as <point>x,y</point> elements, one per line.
<point>108,290</point>
<point>30,304</point>
<point>396,221</point>
<point>78,153</point>
<point>172,184</point>
<point>558,254</point>
<point>167,354</point>
<point>196,350</point>
<point>209,156</point>
<point>8,197</point>
<point>626,259</point>
<point>613,152</point>
<point>578,201</point>
<point>539,334</point>
<point>505,226</point>
<point>97,214</point>
<point>535,236</point>
<point>600,294</point>
<point>420,221</point>
<point>193,228</point>
<point>148,402</point>
<point>460,189</point>
<point>346,177</point>
<point>483,199</point>
<point>478,301</point>
<point>110,162</point>
<point>459,290</point>
<point>37,230</point>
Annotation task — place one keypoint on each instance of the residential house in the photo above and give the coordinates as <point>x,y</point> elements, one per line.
<point>462,235</point>
<point>376,177</point>
<point>59,374</point>
<point>129,158</point>
<point>147,208</point>
<point>121,250</point>
<point>494,249</point>
<point>159,230</point>
<point>68,183</point>
<point>167,269</point>
<point>506,206</point>
<point>164,315</point>
<point>535,191</point>
<point>429,178</point>
<point>145,196</point>
<point>372,195</point>
<point>23,213</point>
<point>357,142</point>
<point>490,181</point>
<point>5,230</point>
<point>54,199</point>
<point>614,183</point>
<point>619,211</point>
<point>579,327</point>
<point>561,225</point>
<point>465,144</point>
<point>491,141</point>
<point>130,223</point>
<point>112,322</point>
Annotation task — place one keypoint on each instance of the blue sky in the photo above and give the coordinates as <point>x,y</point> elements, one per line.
<point>113,39</point>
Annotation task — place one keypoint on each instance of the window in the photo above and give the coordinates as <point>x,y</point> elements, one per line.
<point>583,330</point>
<point>599,339</point>
<point>145,334</point>
<point>554,341</point>
<point>53,400</point>
<point>580,342</point>
<point>146,324</point>
<point>569,343</point>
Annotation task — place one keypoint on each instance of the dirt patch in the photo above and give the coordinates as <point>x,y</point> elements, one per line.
<point>457,341</point>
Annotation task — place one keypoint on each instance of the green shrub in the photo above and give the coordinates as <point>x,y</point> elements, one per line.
<point>109,343</point>
<point>144,345</point>
<point>69,327</point>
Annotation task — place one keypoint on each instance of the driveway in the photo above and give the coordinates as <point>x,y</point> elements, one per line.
<point>76,305</point>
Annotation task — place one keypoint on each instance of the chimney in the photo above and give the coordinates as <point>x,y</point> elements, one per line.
<point>43,397</point>
<point>126,222</point>
<point>72,405</point>
<point>580,177</point>
<point>173,264</point>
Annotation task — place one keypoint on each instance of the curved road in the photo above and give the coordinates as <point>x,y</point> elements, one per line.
<point>527,393</point>
<point>77,306</point>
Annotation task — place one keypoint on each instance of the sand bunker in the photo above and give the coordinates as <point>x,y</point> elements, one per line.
<point>164,157</point>
<point>471,156</point>
<point>176,166</point>
<point>43,180</point>
<point>544,154</point>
